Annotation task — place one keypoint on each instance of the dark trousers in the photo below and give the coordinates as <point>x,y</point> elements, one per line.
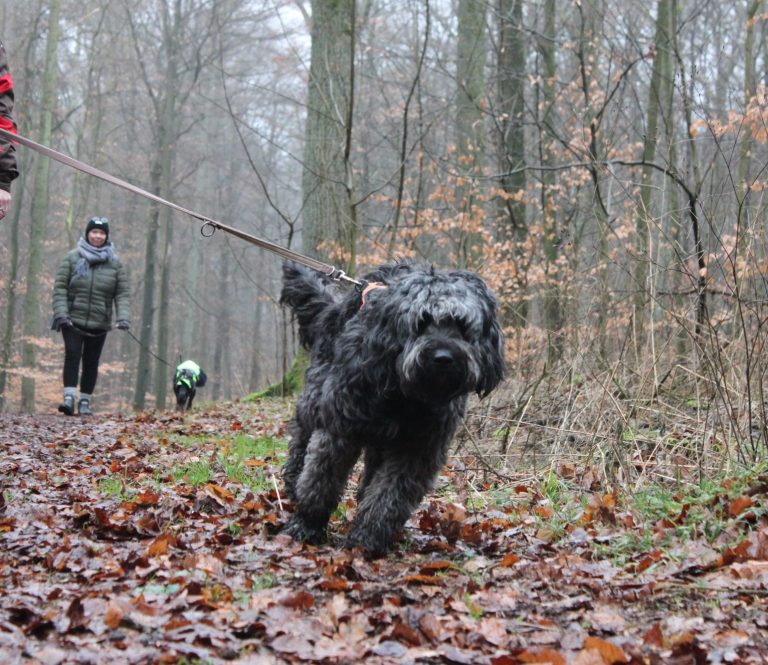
<point>79,345</point>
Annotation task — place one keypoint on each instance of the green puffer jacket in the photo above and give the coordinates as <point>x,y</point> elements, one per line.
<point>88,300</point>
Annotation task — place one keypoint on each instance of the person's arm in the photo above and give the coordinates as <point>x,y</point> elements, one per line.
<point>8,167</point>
<point>123,297</point>
<point>60,299</point>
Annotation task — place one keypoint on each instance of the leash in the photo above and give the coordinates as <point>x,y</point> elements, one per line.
<point>147,349</point>
<point>85,333</point>
<point>209,227</point>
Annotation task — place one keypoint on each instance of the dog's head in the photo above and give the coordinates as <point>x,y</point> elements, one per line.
<point>183,386</point>
<point>182,394</point>
<point>444,328</point>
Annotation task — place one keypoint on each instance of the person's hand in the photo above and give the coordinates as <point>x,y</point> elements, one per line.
<point>5,203</point>
<point>62,322</point>
<point>123,324</point>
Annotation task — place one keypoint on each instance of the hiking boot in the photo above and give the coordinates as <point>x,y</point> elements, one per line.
<point>67,407</point>
<point>84,407</point>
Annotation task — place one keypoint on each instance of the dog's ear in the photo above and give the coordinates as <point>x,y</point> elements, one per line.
<point>492,359</point>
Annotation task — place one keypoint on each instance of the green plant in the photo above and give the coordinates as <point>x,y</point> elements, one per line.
<point>156,589</point>
<point>114,486</point>
<point>185,440</point>
<point>236,454</point>
<point>263,581</point>
<point>193,473</point>
<point>475,611</point>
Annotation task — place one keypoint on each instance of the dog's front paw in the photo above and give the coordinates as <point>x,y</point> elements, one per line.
<point>299,530</point>
<point>372,545</point>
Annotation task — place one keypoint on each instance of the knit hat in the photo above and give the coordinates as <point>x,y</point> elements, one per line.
<point>97,223</point>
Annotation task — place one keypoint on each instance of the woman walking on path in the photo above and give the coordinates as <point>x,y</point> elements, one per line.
<point>89,282</point>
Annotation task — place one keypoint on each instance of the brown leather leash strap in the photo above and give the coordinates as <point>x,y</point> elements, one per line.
<point>208,223</point>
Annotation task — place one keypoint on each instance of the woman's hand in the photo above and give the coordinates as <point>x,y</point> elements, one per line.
<point>62,322</point>
<point>5,203</point>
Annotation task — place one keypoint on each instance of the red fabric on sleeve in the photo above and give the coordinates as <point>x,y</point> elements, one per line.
<point>6,83</point>
<point>8,125</point>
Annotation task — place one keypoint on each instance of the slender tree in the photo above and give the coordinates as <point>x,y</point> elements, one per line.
<point>470,133</point>
<point>745,149</point>
<point>660,76</point>
<point>11,290</point>
<point>552,305</point>
<point>39,215</point>
<point>329,212</point>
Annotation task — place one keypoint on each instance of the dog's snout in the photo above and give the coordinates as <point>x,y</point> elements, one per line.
<point>442,357</point>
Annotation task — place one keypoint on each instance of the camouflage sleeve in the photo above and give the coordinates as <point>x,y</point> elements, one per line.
<point>8,167</point>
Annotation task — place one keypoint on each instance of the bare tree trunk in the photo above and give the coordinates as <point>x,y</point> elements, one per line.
<point>221,333</point>
<point>643,254</point>
<point>39,221</point>
<point>147,304</point>
<point>512,229</point>
<point>746,139</point>
<point>589,29</point>
<point>255,373</point>
<point>329,213</point>
<point>11,290</point>
<point>470,135</point>
<point>552,306</point>
<point>674,265</point>
<point>162,371</point>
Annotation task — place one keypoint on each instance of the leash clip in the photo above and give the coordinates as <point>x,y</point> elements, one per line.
<point>336,274</point>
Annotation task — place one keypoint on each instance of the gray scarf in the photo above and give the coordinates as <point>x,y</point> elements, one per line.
<point>90,255</point>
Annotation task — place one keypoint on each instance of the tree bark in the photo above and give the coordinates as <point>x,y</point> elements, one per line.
<point>11,288</point>
<point>470,134</point>
<point>329,214</point>
<point>745,148</point>
<point>552,305</point>
<point>512,229</point>
<point>660,76</point>
<point>39,215</point>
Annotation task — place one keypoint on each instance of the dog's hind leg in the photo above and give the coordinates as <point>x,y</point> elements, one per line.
<point>319,487</point>
<point>371,462</point>
<point>297,449</point>
<point>392,493</point>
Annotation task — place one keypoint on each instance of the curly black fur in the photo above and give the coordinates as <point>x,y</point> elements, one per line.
<point>388,379</point>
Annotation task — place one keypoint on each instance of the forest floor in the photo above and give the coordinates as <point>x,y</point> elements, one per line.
<point>154,538</point>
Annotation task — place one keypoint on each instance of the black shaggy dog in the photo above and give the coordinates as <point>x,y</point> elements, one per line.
<point>187,378</point>
<point>389,376</point>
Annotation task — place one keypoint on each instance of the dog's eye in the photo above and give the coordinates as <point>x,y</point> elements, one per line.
<point>424,322</point>
<point>463,327</point>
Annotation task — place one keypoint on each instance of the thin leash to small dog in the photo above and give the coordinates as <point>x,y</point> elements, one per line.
<point>209,227</point>
<point>148,350</point>
<point>85,333</point>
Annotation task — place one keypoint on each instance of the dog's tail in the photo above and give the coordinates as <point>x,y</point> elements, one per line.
<point>312,297</point>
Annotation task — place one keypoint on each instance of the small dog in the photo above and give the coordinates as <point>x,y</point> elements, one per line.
<point>390,372</point>
<point>186,380</point>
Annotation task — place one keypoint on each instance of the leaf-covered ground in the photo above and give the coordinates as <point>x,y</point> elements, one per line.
<point>154,539</point>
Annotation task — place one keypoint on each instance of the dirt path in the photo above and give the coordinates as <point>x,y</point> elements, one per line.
<point>152,539</point>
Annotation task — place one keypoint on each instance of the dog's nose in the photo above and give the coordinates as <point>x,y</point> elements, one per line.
<point>442,357</point>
